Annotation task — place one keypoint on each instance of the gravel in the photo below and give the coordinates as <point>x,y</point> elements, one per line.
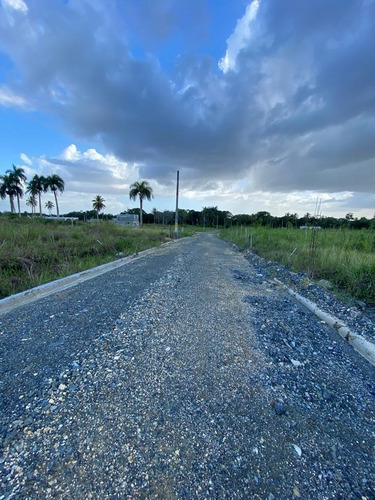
<point>188,374</point>
<point>357,316</point>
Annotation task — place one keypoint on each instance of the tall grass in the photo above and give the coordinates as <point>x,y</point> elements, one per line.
<point>35,251</point>
<point>344,257</point>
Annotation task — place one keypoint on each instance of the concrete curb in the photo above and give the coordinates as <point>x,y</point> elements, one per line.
<point>13,301</point>
<point>359,343</point>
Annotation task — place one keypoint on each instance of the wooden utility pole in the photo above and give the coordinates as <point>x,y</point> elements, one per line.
<point>176,215</point>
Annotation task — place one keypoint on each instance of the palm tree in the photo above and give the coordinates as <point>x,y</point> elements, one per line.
<point>9,188</point>
<point>17,174</point>
<point>142,190</point>
<point>31,202</point>
<point>49,206</point>
<point>98,204</point>
<point>55,183</point>
<point>37,186</point>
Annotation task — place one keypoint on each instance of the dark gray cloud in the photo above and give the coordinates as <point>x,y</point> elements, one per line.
<point>296,113</point>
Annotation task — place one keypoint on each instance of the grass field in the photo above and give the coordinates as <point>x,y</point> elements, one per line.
<point>35,251</point>
<point>344,257</point>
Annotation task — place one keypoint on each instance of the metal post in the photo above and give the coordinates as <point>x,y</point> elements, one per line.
<point>176,215</point>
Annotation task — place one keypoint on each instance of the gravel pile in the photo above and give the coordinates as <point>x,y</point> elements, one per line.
<point>211,384</point>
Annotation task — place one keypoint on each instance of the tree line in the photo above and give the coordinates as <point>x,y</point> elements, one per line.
<point>12,185</point>
<point>290,220</point>
<point>213,217</point>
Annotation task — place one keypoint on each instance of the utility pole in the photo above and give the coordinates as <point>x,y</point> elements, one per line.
<point>176,215</point>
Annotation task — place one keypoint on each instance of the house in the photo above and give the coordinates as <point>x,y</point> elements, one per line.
<point>127,220</point>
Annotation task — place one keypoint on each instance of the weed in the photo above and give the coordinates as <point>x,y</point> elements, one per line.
<point>344,257</point>
<point>34,251</point>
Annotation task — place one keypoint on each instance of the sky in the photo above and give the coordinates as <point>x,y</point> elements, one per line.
<point>261,105</point>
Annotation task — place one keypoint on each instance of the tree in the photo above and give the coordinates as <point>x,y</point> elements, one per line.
<point>36,187</point>
<point>31,202</point>
<point>32,190</point>
<point>263,218</point>
<point>212,216</point>
<point>98,204</point>
<point>193,217</point>
<point>154,213</point>
<point>349,217</point>
<point>243,219</point>
<point>8,188</point>
<point>289,220</point>
<point>55,183</point>
<point>17,176</point>
<point>140,190</point>
<point>168,216</point>
<point>49,206</point>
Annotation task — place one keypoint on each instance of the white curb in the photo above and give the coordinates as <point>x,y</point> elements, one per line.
<point>360,344</point>
<point>38,292</point>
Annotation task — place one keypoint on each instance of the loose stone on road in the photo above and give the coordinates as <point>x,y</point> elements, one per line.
<point>187,374</point>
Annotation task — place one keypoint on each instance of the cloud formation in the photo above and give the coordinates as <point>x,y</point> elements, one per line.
<point>86,171</point>
<point>86,174</point>
<point>9,99</point>
<point>239,38</point>
<point>14,5</point>
<point>290,106</point>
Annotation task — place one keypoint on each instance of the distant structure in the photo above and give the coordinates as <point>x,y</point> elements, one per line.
<point>310,227</point>
<point>53,217</point>
<point>127,220</point>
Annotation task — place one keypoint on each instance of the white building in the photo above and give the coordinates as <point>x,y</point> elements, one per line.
<point>127,220</point>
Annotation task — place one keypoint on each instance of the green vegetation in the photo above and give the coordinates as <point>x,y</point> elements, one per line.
<point>54,183</point>
<point>49,206</point>
<point>34,251</point>
<point>141,190</point>
<point>345,257</point>
<point>36,187</point>
<point>11,185</point>
<point>98,204</point>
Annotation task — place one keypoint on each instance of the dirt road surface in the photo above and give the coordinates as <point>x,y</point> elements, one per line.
<point>186,374</point>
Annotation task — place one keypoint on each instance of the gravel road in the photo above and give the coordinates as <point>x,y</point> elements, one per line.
<point>186,374</point>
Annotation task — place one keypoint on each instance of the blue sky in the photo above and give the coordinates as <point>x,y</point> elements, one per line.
<point>261,105</point>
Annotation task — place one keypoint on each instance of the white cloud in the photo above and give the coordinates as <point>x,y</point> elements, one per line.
<point>92,154</point>
<point>91,168</point>
<point>8,98</point>
<point>239,38</point>
<point>86,174</point>
<point>70,153</point>
<point>25,159</point>
<point>18,5</point>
